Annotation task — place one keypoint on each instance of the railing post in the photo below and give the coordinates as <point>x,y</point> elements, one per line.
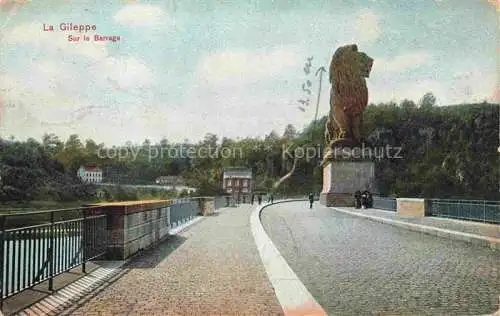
<point>484,211</point>
<point>2,247</point>
<point>84,241</point>
<point>51,260</point>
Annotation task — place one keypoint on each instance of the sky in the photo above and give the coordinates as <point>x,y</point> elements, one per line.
<point>184,68</point>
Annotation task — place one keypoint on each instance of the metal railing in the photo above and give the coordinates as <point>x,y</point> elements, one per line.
<point>222,201</point>
<point>35,247</point>
<point>230,200</point>
<point>385,203</point>
<point>183,211</point>
<point>474,210</point>
<point>38,252</point>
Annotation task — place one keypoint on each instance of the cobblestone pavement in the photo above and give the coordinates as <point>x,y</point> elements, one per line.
<point>470,227</point>
<point>354,266</point>
<point>213,268</point>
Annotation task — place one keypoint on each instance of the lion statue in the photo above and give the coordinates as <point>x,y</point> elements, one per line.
<point>348,96</point>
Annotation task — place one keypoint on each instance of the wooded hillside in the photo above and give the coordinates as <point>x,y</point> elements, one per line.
<point>447,152</point>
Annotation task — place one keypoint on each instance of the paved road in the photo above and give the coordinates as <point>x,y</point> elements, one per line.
<point>354,266</point>
<point>213,268</point>
<point>469,227</point>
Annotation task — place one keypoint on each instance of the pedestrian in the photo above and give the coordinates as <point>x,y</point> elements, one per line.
<point>260,199</point>
<point>272,198</point>
<point>253,198</point>
<point>368,199</point>
<point>364,199</point>
<point>311,200</point>
<point>357,196</point>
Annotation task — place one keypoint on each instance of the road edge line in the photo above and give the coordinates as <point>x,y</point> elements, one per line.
<point>489,242</point>
<point>292,295</point>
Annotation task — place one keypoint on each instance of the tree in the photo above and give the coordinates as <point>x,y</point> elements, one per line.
<point>290,132</point>
<point>427,101</point>
<point>450,146</point>
<point>72,156</point>
<point>408,104</point>
<point>52,144</point>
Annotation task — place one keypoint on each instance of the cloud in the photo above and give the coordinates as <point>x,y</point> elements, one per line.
<point>239,67</point>
<point>12,6</point>
<point>402,62</point>
<point>495,96</point>
<point>47,94</point>
<point>397,91</point>
<point>126,72</point>
<point>138,15</point>
<point>238,113</point>
<point>474,85</point>
<point>38,112</point>
<point>32,33</point>
<point>467,86</point>
<point>367,27</point>
<point>495,4</point>
<point>30,107</point>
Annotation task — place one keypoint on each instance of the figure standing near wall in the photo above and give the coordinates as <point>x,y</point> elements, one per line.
<point>357,196</point>
<point>311,200</point>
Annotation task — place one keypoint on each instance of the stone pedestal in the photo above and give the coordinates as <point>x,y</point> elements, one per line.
<point>412,207</point>
<point>341,179</point>
<point>207,206</point>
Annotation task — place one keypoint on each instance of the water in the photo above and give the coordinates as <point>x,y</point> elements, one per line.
<point>23,260</point>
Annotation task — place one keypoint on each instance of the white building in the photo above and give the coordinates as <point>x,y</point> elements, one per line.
<point>90,174</point>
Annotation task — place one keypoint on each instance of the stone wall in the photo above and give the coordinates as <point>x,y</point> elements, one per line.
<point>136,225</point>
<point>207,206</point>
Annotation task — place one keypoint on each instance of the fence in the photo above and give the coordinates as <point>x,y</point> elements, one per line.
<point>183,211</point>
<point>231,201</point>
<point>30,255</point>
<point>222,201</point>
<point>35,247</point>
<point>483,211</point>
<point>385,203</point>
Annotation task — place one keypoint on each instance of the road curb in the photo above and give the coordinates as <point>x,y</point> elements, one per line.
<point>489,242</point>
<point>292,295</point>
<point>184,226</point>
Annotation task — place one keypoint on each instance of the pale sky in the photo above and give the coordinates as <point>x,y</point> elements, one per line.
<point>184,68</point>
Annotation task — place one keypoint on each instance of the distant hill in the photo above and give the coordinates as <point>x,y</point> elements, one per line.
<point>443,152</point>
<point>30,173</point>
